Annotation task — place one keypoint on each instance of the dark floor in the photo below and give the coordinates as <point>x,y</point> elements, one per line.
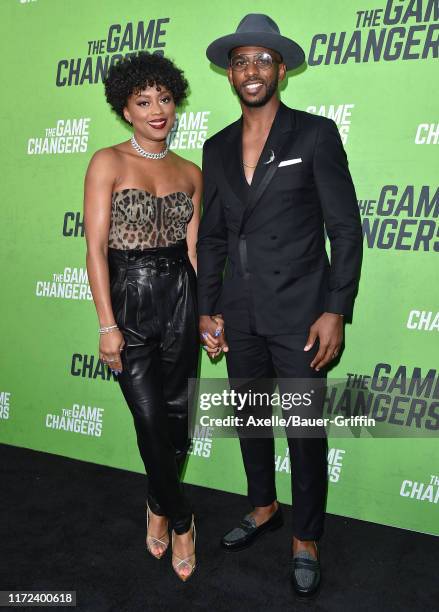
<point>70,525</point>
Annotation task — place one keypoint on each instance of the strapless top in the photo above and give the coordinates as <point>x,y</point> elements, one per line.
<point>142,220</point>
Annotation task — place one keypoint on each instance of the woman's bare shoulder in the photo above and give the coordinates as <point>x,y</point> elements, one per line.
<point>108,154</point>
<point>106,161</point>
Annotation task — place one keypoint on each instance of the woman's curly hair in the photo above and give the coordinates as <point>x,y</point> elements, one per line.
<point>134,73</point>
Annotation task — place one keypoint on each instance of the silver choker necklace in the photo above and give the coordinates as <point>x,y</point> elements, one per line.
<point>146,154</point>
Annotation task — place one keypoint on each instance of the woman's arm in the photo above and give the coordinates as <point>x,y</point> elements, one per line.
<point>192,228</point>
<point>98,188</point>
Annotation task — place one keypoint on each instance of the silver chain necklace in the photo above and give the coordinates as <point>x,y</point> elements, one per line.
<point>146,154</point>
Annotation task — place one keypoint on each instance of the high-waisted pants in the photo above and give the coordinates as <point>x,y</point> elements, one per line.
<point>153,295</point>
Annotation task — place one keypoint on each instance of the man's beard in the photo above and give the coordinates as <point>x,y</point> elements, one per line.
<point>271,89</point>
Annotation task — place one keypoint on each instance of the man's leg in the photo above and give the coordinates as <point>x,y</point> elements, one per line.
<point>308,454</point>
<point>248,358</point>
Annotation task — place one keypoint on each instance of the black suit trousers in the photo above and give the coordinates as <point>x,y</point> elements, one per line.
<point>256,357</point>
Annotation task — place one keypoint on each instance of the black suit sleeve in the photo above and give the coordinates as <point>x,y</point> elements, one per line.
<point>342,218</point>
<point>212,240</point>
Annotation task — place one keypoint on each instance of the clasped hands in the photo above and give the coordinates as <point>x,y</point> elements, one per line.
<point>212,335</point>
<point>327,329</point>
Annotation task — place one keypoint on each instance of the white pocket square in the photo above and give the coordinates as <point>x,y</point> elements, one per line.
<point>289,162</point>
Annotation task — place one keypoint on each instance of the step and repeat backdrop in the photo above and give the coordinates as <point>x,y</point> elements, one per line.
<point>372,66</point>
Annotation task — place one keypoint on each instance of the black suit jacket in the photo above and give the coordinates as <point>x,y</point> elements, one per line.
<point>271,234</point>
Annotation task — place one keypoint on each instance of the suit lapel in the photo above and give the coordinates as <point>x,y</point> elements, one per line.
<point>278,138</point>
<point>231,153</point>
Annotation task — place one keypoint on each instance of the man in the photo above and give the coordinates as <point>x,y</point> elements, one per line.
<point>273,181</point>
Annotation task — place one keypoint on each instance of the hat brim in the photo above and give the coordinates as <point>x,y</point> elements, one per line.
<point>292,53</point>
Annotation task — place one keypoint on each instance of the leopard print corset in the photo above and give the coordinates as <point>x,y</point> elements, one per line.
<point>141,220</point>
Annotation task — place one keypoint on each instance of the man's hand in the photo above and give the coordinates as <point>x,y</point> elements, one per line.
<point>329,330</point>
<point>212,334</point>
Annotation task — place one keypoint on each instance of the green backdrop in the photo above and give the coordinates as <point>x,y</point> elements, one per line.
<point>372,66</point>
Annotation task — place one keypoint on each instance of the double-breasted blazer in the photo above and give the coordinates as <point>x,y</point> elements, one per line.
<point>261,249</point>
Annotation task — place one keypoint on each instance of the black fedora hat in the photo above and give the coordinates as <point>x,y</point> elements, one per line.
<point>256,30</point>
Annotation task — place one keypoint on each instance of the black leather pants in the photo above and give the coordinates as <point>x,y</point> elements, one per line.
<point>153,294</point>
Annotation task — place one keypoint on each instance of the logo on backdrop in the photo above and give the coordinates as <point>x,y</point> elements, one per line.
<point>282,463</point>
<point>71,284</point>
<point>400,30</point>
<point>398,396</point>
<point>189,130</point>
<point>341,114</point>
<point>120,40</point>
<point>73,224</point>
<point>425,320</point>
<point>67,136</point>
<point>421,491</point>
<point>427,133</point>
<point>84,420</point>
<point>403,218</point>
<point>5,400</point>
<point>335,463</point>
<point>90,366</point>
<point>201,445</point>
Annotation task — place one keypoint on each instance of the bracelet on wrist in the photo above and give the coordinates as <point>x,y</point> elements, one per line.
<point>108,329</point>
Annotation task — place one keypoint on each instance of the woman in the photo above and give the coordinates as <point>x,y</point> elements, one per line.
<point>141,212</point>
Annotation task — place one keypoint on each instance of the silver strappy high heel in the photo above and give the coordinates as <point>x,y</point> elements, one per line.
<point>153,541</point>
<point>189,561</point>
